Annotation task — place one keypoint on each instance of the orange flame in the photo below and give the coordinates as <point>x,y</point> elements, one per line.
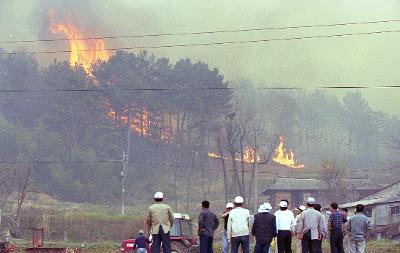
<point>83,51</point>
<point>285,157</point>
<point>248,156</point>
<point>139,123</point>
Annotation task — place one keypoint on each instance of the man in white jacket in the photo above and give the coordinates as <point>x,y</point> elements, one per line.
<point>238,227</point>
<point>285,224</point>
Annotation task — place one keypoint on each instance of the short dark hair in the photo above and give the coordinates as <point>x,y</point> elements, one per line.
<point>334,206</point>
<point>344,209</point>
<point>283,208</point>
<point>158,200</point>
<point>317,207</point>
<point>238,204</point>
<point>205,204</point>
<point>310,205</point>
<point>359,208</point>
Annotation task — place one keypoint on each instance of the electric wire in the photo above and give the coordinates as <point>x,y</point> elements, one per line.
<point>208,32</point>
<point>202,88</point>
<point>232,42</point>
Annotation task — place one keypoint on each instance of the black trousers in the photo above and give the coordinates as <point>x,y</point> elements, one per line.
<point>284,241</point>
<point>336,240</point>
<point>310,246</point>
<point>163,238</point>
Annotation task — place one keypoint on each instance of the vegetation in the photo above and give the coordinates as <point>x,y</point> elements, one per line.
<point>70,129</point>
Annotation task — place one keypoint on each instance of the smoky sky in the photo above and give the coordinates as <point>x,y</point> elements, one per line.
<point>360,60</point>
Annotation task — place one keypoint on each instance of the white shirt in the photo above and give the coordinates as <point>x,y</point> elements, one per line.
<point>238,222</point>
<point>285,220</point>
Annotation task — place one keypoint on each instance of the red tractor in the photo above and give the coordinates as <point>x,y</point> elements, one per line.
<point>181,234</point>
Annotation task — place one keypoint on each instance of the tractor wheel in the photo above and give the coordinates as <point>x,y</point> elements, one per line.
<point>177,247</point>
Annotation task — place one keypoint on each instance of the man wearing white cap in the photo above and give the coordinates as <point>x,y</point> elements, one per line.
<point>225,216</point>
<point>238,227</point>
<point>310,228</point>
<point>264,228</point>
<point>285,223</point>
<point>160,219</point>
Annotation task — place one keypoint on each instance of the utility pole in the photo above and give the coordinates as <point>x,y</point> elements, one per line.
<point>124,162</point>
<point>255,172</point>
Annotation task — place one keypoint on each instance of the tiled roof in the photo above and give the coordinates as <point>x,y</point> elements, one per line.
<point>388,194</point>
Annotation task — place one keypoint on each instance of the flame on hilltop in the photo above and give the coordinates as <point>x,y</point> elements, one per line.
<point>139,123</point>
<point>284,157</point>
<point>248,156</point>
<point>83,51</point>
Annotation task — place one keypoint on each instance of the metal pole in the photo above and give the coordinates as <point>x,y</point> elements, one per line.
<point>124,156</point>
<point>125,160</point>
<point>255,172</point>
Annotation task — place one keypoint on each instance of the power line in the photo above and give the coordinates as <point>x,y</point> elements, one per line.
<point>208,32</point>
<point>209,43</point>
<point>200,88</point>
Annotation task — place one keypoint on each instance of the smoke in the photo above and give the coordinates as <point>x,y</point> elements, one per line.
<point>363,60</point>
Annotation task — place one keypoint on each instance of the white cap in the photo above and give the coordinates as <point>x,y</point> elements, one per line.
<point>302,208</point>
<point>311,201</point>
<point>229,205</point>
<point>265,208</point>
<point>283,204</point>
<point>158,195</point>
<point>239,200</point>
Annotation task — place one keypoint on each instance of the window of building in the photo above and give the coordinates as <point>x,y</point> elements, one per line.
<point>395,210</point>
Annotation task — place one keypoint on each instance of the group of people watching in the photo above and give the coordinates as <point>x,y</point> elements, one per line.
<point>306,225</point>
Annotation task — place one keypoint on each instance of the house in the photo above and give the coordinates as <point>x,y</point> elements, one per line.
<point>297,190</point>
<point>383,207</point>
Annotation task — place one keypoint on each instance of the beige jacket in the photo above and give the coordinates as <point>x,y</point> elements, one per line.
<point>159,214</point>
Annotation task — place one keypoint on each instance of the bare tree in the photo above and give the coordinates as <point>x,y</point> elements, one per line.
<point>7,184</point>
<point>22,181</point>
<point>332,177</point>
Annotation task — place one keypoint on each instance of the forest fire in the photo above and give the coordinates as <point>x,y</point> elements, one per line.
<point>248,155</point>
<point>83,51</point>
<point>139,123</point>
<point>284,157</point>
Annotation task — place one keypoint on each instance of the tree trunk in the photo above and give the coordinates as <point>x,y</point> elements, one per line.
<point>22,191</point>
<point>189,181</point>
<point>221,155</point>
<point>242,163</point>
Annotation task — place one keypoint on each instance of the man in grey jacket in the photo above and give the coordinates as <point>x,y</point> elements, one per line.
<point>358,226</point>
<point>208,223</point>
<point>310,228</point>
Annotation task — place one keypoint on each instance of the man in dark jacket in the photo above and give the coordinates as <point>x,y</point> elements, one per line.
<point>208,223</point>
<point>264,228</point>
<point>141,243</point>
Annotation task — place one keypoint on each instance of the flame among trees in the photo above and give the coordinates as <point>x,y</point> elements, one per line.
<point>285,157</point>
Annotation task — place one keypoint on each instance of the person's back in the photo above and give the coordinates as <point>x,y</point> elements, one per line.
<point>311,220</point>
<point>264,227</point>
<point>358,227</point>
<point>160,214</point>
<point>141,243</point>
<point>239,218</point>
<point>160,219</point>
<point>208,223</point>
<point>238,227</point>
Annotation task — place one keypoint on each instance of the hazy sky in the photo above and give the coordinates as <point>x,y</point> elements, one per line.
<point>362,60</point>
